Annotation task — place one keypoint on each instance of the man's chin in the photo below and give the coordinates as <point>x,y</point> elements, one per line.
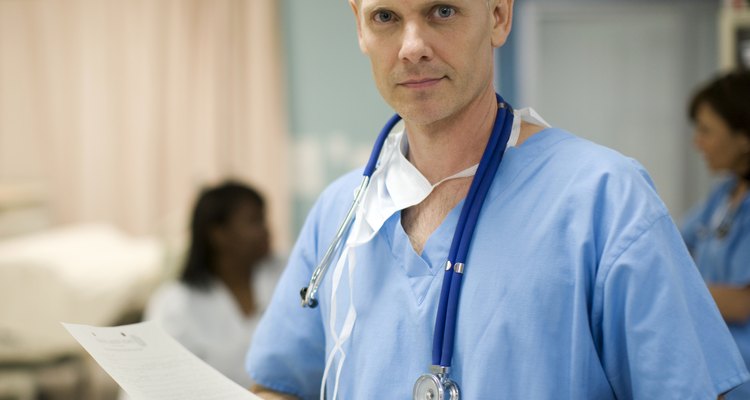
<point>420,107</point>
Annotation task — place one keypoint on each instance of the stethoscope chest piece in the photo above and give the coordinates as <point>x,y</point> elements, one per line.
<point>435,387</point>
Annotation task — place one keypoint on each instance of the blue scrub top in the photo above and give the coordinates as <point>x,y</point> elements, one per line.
<point>577,286</point>
<point>723,260</point>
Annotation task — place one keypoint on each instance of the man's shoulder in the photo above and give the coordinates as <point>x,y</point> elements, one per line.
<point>571,145</point>
<point>573,153</point>
<point>587,172</point>
<point>337,196</point>
<point>343,187</point>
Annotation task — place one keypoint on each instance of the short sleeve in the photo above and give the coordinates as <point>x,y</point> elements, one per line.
<point>287,353</point>
<point>661,335</point>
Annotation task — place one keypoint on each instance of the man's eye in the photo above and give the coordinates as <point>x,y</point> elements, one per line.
<point>445,12</point>
<point>383,16</point>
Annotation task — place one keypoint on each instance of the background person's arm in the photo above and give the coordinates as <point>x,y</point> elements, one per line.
<point>733,302</point>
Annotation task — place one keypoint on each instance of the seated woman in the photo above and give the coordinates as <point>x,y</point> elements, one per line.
<point>717,232</point>
<point>214,307</point>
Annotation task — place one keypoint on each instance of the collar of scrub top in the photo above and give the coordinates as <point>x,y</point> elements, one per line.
<point>445,321</point>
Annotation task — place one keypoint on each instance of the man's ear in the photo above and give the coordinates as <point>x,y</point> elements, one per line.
<point>502,20</point>
<point>356,11</point>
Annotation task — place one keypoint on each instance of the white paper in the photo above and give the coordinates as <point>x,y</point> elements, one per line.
<point>150,365</point>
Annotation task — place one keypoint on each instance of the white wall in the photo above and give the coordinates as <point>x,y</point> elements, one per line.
<point>620,74</point>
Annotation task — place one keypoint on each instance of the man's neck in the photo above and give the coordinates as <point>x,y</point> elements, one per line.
<point>448,146</point>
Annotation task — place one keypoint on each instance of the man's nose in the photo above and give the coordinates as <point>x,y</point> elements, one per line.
<point>415,45</point>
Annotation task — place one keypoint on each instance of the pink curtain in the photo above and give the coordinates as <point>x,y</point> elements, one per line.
<point>123,109</point>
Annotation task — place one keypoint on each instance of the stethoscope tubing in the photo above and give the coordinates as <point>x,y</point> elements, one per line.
<point>445,321</point>
<point>378,146</point>
<point>308,293</point>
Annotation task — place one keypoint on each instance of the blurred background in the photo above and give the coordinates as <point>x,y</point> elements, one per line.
<point>115,113</point>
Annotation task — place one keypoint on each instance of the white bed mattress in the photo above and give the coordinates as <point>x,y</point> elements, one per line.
<point>89,274</point>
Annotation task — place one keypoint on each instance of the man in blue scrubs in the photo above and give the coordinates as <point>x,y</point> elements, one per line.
<point>577,284</point>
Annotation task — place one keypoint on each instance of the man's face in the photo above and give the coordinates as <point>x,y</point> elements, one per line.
<point>430,58</point>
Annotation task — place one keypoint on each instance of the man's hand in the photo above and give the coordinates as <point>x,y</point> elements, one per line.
<point>268,394</point>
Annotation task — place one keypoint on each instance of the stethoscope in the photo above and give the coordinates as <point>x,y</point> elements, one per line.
<point>722,229</point>
<point>437,384</point>
<point>725,225</point>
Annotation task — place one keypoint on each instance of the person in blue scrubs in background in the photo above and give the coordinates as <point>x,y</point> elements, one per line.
<point>717,232</point>
<point>577,284</point>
